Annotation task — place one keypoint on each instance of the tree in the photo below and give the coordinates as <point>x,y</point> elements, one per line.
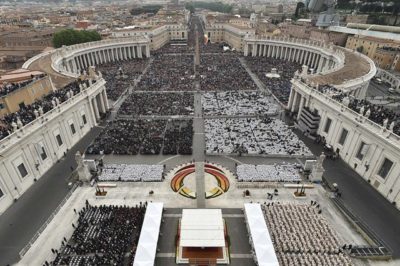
<point>70,37</point>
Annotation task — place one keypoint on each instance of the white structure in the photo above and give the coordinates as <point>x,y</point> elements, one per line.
<point>370,149</point>
<point>260,239</point>
<point>202,228</point>
<point>28,153</point>
<point>147,245</point>
<point>71,60</point>
<point>391,77</point>
<point>158,35</point>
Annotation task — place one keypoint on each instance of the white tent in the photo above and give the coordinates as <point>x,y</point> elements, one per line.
<point>147,246</point>
<point>202,228</point>
<point>259,233</point>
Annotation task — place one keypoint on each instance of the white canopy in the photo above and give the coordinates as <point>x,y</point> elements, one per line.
<point>259,233</point>
<point>147,246</point>
<point>202,228</point>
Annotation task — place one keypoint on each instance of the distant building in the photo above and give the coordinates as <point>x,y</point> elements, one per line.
<point>42,38</point>
<point>327,36</point>
<point>387,58</point>
<point>368,45</point>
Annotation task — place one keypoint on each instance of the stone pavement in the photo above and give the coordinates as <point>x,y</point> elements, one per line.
<point>21,220</point>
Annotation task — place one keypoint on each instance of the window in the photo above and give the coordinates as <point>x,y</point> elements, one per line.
<point>385,168</point>
<point>59,140</point>
<point>84,119</point>
<point>72,129</point>
<point>22,170</point>
<point>362,150</point>
<point>327,125</point>
<point>42,152</point>
<point>343,136</point>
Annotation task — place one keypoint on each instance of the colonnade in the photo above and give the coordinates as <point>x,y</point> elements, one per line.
<point>297,102</point>
<point>99,104</point>
<point>105,55</point>
<point>318,62</point>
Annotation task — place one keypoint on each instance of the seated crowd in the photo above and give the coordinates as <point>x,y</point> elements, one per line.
<point>158,104</point>
<point>121,75</point>
<point>26,114</point>
<point>169,73</point>
<point>301,236</point>
<point>7,88</point>
<point>131,137</point>
<point>236,103</point>
<point>224,72</point>
<point>270,173</point>
<point>281,86</point>
<point>131,172</point>
<point>252,136</point>
<point>104,235</point>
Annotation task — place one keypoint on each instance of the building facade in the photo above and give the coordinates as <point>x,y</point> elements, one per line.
<point>29,152</point>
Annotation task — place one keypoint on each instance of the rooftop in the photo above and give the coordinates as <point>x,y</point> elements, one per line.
<point>354,67</point>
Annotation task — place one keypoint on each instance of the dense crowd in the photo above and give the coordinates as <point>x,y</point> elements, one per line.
<point>7,88</point>
<point>279,86</point>
<point>121,75</point>
<point>224,72</point>
<point>131,172</point>
<point>270,173</point>
<point>169,73</point>
<point>378,114</point>
<point>11,122</point>
<point>252,136</point>
<point>301,236</point>
<point>234,103</point>
<point>158,104</point>
<point>131,137</point>
<point>104,235</point>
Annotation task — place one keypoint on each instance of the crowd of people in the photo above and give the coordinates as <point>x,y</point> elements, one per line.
<point>224,72</point>
<point>301,236</point>
<point>121,75</point>
<point>157,104</point>
<point>144,136</point>
<point>27,113</point>
<point>279,86</point>
<point>237,103</point>
<point>7,88</point>
<point>169,73</point>
<point>376,113</point>
<point>252,136</point>
<point>132,172</point>
<point>268,173</point>
<point>104,235</point>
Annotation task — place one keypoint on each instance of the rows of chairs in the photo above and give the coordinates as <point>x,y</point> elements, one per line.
<point>270,173</point>
<point>131,172</point>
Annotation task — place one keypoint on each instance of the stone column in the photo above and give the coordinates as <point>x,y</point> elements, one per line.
<point>246,49</point>
<point>294,101</point>
<point>140,53</point>
<point>101,102</point>
<point>300,106</point>
<point>291,97</point>
<point>134,51</point>
<point>92,112</point>
<point>104,95</point>
<point>96,109</point>
<point>253,53</point>
<point>269,51</point>
<point>129,53</point>
<point>148,51</point>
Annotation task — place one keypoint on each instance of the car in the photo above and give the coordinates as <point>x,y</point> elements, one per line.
<point>391,90</point>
